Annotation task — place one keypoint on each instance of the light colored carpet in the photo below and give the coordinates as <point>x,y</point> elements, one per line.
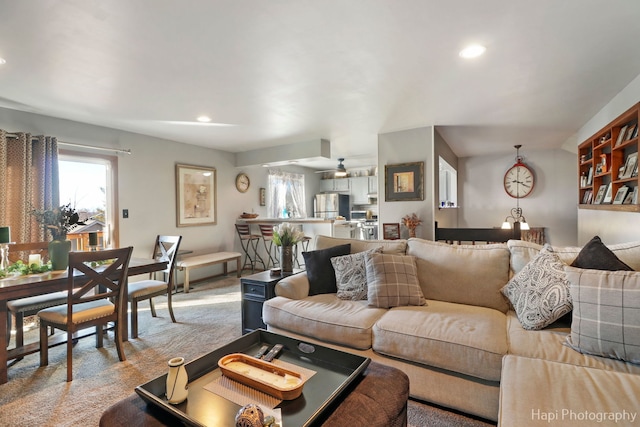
<point>208,317</point>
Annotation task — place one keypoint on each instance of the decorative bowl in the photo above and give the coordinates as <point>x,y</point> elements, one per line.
<point>247,215</point>
<point>267,377</point>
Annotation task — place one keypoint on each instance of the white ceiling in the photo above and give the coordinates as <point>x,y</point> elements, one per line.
<point>286,71</point>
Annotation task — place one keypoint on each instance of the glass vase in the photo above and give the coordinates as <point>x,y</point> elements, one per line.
<point>286,259</point>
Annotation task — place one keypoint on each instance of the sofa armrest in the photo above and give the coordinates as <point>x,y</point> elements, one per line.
<point>293,287</point>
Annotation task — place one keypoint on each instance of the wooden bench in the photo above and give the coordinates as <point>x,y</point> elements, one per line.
<point>205,260</point>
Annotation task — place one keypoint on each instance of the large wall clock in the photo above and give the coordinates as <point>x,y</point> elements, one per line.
<point>519,179</point>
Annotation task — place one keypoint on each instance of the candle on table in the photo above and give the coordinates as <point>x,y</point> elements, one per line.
<point>5,234</point>
<point>35,259</point>
<point>93,239</point>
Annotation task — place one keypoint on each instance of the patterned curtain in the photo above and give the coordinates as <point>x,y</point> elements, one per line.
<point>28,180</point>
<point>287,198</point>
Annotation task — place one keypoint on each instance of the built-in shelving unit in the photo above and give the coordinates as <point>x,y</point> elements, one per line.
<point>608,166</point>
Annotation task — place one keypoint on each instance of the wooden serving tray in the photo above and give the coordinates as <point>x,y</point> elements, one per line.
<point>267,377</point>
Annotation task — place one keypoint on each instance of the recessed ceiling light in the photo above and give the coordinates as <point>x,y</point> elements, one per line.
<point>472,51</point>
<point>204,119</point>
<point>3,61</point>
<point>265,165</point>
<point>173,122</point>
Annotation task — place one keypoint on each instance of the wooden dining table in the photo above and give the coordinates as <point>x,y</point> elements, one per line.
<point>39,284</point>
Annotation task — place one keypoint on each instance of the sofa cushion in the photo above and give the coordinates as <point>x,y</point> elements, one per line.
<point>464,274</point>
<point>324,317</point>
<point>606,313</point>
<point>536,392</point>
<point>392,280</point>
<point>461,338</point>
<point>522,252</point>
<point>548,343</point>
<point>351,275</point>
<point>320,272</point>
<point>597,256</point>
<point>388,246</point>
<point>539,293</point>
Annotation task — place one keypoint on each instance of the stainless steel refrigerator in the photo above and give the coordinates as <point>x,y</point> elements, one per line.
<point>330,205</point>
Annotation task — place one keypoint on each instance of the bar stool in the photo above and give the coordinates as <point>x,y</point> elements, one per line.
<point>249,243</point>
<point>267,236</point>
<point>304,247</point>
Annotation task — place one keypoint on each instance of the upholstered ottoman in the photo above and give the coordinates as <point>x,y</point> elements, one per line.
<point>378,399</point>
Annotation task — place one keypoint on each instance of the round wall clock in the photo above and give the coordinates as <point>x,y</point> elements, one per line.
<point>519,180</point>
<point>242,182</point>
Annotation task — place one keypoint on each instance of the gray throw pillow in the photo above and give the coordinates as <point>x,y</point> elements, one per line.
<point>392,281</point>
<point>606,313</point>
<point>351,275</point>
<point>539,293</point>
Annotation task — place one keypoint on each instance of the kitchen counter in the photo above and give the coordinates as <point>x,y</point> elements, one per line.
<point>259,220</point>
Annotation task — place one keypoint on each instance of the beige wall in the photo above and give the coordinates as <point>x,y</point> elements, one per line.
<point>552,204</point>
<point>414,145</point>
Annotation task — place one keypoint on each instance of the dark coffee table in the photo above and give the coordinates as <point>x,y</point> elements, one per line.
<point>378,398</point>
<point>344,385</point>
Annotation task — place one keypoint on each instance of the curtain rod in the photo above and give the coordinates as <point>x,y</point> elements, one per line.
<point>92,147</point>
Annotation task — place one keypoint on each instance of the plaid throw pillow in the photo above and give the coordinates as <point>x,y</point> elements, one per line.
<point>392,280</point>
<point>606,313</point>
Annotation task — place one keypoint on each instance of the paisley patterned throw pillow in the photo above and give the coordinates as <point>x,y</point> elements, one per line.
<point>539,293</point>
<point>351,275</point>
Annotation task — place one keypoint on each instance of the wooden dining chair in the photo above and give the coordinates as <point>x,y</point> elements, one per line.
<point>165,249</point>
<point>18,309</point>
<point>95,297</point>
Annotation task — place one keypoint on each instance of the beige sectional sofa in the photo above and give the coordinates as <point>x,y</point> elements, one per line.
<point>466,349</point>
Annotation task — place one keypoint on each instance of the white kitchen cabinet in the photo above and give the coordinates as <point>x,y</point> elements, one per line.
<point>326,184</point>
<point>359,190</point>
<point>338,184</point>
<point>341,184</point>
<point>373,184</point>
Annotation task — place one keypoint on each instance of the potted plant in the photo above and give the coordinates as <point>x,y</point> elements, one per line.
<point>286,236</point>
<point>58,221</point>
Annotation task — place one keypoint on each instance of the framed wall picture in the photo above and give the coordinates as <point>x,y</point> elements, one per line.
<point>629,166</point>
<point>600,195</point>
<point>608,195</point>
<point>404,182</point>
<point>391,231</point>
<point>195,195</point>
<point>620,195</point>
<point>263,196</point>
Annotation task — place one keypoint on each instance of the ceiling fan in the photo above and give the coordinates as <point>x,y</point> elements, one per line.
<point>339,171</point>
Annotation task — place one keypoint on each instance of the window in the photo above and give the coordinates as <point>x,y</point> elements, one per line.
<point>448,184</point>
<point>287,199</point>
<point>88,183</point>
